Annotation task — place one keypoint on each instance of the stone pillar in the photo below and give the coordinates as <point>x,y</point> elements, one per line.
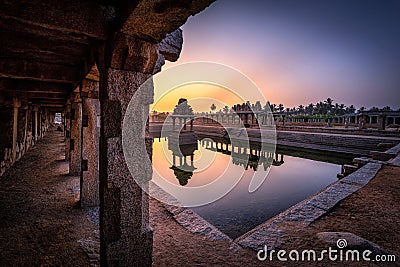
<point>39,125</point>
<point>361,122</point>
<point>76,138</point>
<point>381,122</point>
<point>35,123</point>
<point>25,129</point>
<point>90,144</point>
<point>67,127</point>
<point>125,236</point>
<point>16,105</point>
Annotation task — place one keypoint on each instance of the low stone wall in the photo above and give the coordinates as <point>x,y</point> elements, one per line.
<point>273,231</point>
<point>21,148</point>
<point>349,144</point>
<point>354,130</point>
<point>23,135</point>
<point>331,142</point>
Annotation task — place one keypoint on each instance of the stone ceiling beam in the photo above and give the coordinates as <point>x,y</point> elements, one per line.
<point>33,70</point>
<point>34,95</point>
<point>66,16</point>
<point>21,28</point>
<point>34,86</point>
<point>48,102</point>
<point>16,41</point>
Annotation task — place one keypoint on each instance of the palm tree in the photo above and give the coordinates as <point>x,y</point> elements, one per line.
<point>213,107</point>
<point>281,107</point>
<point>351,109</point>
<point>310,108</point>
<point>342,109</point>
<point>329,105</point>
<point>273,108</point>
<point>226,109</point>
<point>301,109</point>
<point>319,108</point>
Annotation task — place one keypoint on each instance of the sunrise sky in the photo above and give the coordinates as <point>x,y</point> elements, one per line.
<point>301,51</point>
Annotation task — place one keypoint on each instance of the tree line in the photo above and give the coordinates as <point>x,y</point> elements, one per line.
<point>326,107</point>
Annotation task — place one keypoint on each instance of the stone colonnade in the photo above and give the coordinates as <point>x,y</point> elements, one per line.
<point>245,117</point>
<point>93,130</point>
<point>92,121</point>
<point>244,153</point>
<point>259,119</point>
<point>22,124</point>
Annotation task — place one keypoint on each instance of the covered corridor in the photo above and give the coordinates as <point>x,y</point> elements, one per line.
<point>40,223</point>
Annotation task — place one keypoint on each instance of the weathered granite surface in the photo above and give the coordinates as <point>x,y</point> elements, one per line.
<point>193,222</point>
<point>352,242</point>
<point>273,233</point>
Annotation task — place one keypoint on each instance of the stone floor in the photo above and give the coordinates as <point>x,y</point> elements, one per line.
<point>39,221</point>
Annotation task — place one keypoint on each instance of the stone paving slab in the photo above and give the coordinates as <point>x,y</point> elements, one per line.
<point>197,225</point>
<point>363,175</point>
<point>395,161</point>
<point>271,236</point>
<point>394,150</point>
<point>328,198</point>
<point>305,213</point>
<point>190,220</point>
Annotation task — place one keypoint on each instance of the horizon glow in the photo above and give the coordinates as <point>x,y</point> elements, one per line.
<point>301,52</point>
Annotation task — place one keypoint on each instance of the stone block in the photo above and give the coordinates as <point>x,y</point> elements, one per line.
<point>363,175</point>
<point>328,198</point>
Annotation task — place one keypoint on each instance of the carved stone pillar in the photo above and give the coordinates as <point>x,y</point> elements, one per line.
<point>16,105</point>
<point>76,136</point>
<point>35,123</point>
<point>125,63</point>
<point>67,127</point>
<point>90,144</point>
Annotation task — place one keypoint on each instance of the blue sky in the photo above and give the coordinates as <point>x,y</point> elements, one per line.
<point>303,51</point>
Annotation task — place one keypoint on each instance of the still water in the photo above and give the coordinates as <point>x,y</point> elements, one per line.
<point>294,176</point>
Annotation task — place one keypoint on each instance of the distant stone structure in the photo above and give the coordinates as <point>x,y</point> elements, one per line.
<point>183,112</point>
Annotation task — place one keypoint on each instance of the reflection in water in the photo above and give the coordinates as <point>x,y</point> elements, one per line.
<point>247,155</point>
<point>183,170</point>
<point>294,176</point>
